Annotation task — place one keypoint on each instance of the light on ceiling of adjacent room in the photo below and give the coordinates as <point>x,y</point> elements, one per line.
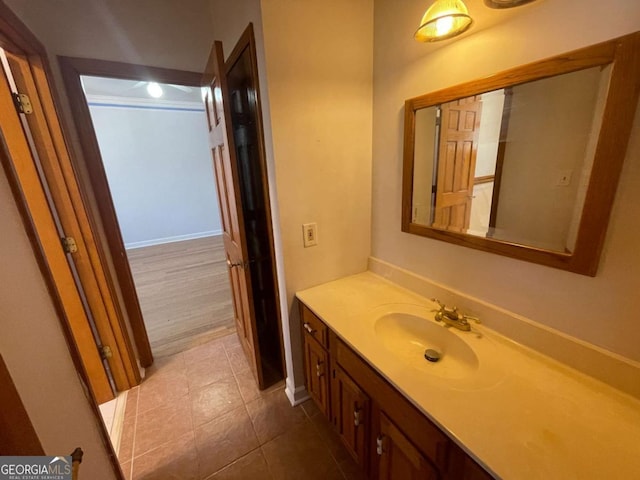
<point>444,19</point>
<point>154,90</point>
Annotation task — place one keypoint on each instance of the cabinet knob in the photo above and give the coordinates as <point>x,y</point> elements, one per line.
<point>379,441</point>
<point>356,417</point>
<point>308,328</point>
<point>319,369</point>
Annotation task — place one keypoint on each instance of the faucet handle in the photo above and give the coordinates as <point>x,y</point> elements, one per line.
<point>440,304</point>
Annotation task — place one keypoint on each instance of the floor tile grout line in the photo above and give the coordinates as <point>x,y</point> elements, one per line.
<point>209,477</point>
<point>324,441</point>
<point>266,460</point>
<point>135,431</point>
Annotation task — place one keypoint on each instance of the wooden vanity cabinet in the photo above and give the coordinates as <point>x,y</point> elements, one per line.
<point>386,435</point>
<point>402,439</point>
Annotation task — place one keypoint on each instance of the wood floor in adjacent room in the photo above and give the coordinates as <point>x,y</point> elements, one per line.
<point>184,293</point>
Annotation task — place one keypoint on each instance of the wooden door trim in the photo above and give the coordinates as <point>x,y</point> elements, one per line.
<point>70,205</point>
<point>247,40</point>
<point>21,171</point>
<point>48,129</point>
<point>72,69</point>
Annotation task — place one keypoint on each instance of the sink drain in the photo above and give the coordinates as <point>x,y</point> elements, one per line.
<point>431,355</point>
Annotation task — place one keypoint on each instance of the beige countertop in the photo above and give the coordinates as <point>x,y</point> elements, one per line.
<point>518,413</point>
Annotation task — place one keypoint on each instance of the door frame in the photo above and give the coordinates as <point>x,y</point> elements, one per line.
<point>72,69</point>
<point>29,67</point>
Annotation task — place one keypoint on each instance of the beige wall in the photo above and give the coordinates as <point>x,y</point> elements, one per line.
<point>601,310</point>
<point>36,354</point>
<point>319,67</point>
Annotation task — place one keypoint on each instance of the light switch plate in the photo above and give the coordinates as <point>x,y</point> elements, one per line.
<point>310,234</point>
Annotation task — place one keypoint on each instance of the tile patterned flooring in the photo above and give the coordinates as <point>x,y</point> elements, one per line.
<point>199,415</point>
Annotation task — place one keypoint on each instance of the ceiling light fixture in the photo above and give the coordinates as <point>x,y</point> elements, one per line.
<point>505,3</point>
<point>444,19</point>
<point>154,90</point>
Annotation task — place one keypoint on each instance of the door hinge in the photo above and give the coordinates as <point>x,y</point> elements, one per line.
<point>69,244</point>
<point>105,352</point>
<point>22,102</point>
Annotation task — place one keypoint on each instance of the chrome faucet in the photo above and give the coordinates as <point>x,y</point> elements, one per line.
<point>452,317</point>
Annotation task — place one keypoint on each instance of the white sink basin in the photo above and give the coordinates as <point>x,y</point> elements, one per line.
<point>407,336</point>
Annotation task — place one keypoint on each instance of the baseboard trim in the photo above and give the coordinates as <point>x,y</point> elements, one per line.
<point>176,238</point>
<point>608,367</point>
<point>296,395</point>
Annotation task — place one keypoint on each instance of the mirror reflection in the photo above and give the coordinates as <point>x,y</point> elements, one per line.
<point>511,164</point>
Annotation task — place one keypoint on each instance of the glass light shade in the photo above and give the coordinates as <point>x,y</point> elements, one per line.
<point>444,19</point>
<point>505,3</point>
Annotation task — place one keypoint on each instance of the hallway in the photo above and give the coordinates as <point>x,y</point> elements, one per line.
<point>199,415</point>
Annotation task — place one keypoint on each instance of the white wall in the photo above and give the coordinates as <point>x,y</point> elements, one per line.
<point>159,169</point>
<point>35,351</point>
<point>601,310</point>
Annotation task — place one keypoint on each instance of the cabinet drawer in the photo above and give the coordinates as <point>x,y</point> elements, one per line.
<point>314,327</point>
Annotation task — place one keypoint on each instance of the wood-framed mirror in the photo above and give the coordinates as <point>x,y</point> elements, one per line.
<point>524,163</point>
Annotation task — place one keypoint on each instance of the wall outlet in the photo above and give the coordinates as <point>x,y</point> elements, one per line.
<point>310,234</point>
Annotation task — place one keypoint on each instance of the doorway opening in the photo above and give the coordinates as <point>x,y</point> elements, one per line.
<point>155,155</point>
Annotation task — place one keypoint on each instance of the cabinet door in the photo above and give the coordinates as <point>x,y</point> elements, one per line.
<point>351,415</point>
<point>398,457</point>
<point>316,368</point>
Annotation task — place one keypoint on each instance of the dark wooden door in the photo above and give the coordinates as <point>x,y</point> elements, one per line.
<point>460,121</point>
<point>228,183</point>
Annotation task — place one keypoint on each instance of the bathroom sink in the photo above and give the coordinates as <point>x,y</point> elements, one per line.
<point>407,336</point>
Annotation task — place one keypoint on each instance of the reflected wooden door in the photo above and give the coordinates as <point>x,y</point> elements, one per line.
<point>459,125</point>
<point>227,180</point>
